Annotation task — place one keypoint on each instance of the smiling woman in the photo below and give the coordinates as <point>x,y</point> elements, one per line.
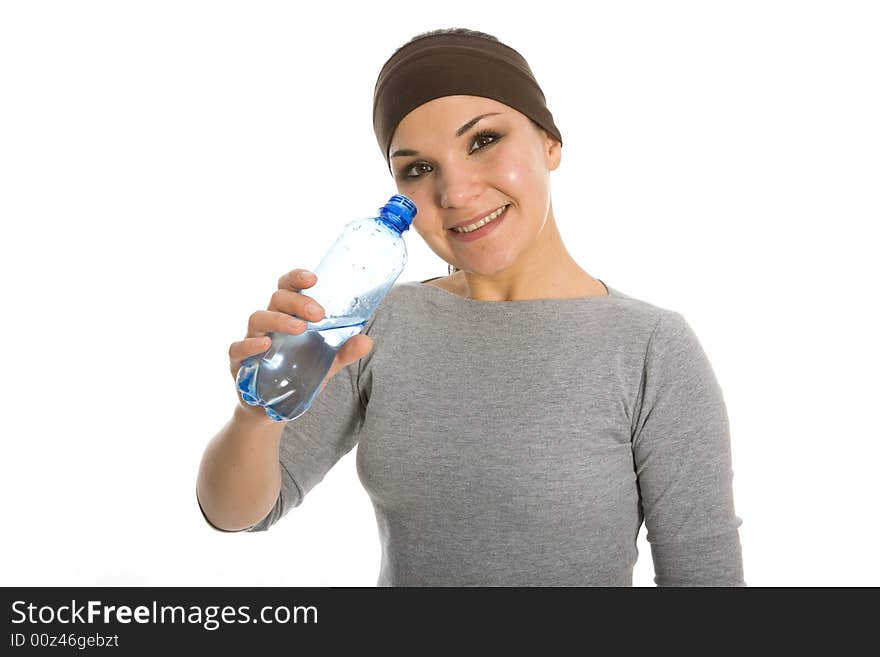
<point>466,131</point>
<point>566,414</point>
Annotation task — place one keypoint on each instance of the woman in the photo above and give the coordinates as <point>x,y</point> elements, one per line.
<point>517,420</point>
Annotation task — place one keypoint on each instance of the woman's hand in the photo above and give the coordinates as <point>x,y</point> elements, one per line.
<point>287,301</point>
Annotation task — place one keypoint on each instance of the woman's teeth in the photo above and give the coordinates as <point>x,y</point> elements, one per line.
<point>481,222</point>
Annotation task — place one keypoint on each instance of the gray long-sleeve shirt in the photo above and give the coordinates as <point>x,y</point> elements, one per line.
<point>525,442</point>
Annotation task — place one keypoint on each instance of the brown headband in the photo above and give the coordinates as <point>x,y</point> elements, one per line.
<point>451,65</point>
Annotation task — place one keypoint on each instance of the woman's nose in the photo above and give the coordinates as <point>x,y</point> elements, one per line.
<point>458,188</point>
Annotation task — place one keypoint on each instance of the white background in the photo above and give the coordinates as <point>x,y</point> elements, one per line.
<point>163,163</point>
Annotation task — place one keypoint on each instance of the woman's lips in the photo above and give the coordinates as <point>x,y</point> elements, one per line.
<point>482,231</point>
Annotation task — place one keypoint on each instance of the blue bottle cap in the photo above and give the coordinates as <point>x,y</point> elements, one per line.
<point>399,211</point>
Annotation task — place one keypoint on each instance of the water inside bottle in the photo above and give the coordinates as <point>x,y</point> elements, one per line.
<point>287,377</point>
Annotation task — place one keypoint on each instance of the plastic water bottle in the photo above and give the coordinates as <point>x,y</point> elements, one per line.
<point>352,279</point>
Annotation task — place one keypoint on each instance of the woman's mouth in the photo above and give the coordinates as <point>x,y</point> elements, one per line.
<point>480,228</point>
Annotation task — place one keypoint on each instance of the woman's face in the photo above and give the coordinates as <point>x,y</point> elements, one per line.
<point>454,176</point>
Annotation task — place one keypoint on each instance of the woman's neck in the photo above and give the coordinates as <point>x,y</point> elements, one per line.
<point>545,271</point>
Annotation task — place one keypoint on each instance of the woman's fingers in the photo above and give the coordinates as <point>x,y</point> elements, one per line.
<point>294,303</point>
<point>278,318</point>
<point>264,321</point>
<point>296,280</point>
<point>248,347</point>
<point>239,351</point>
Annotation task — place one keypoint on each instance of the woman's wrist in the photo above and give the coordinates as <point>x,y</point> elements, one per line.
<point>250,421</point>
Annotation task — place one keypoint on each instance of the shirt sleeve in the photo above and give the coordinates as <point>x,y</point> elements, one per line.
<point>314,442</point>
<point>682,456</point>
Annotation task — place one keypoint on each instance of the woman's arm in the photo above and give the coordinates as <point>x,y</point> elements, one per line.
<point>240,474</point>
<point>682,454</point>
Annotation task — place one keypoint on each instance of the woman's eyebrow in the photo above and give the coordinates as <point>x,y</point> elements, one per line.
<point>458,133</point>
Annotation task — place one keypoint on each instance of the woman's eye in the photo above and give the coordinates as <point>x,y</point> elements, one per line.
<point>484,135</point>
<point>406,173</point>
<point>483,139</point>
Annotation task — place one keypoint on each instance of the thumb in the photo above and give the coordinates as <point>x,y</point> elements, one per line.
<point>355,348</point>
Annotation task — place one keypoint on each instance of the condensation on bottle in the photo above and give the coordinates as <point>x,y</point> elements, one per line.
<point>352,279</point>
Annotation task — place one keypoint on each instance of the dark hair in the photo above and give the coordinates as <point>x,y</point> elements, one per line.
<point>452,30</point>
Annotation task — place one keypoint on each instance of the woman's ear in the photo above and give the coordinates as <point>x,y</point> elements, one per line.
<point>552,151</point>
<point>550,146</point>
